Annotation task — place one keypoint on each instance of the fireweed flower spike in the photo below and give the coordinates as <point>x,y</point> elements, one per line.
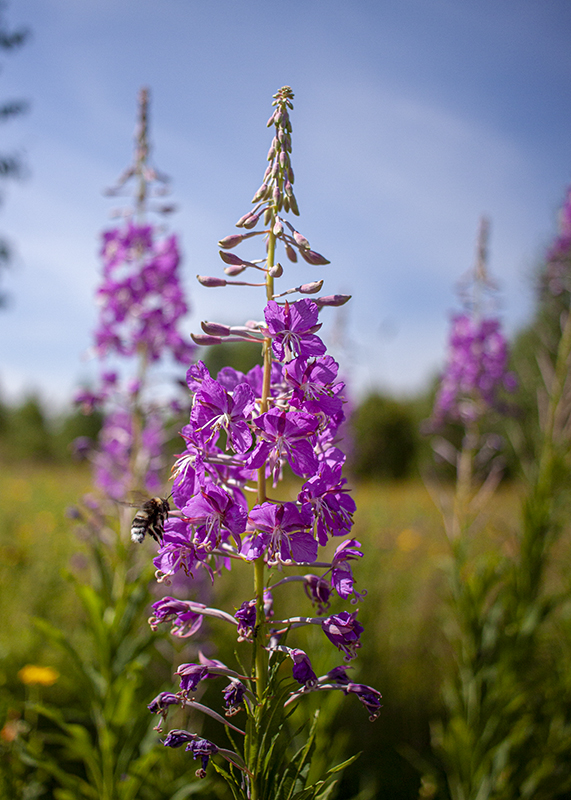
<point>141,305</point>
<point>243,430</point>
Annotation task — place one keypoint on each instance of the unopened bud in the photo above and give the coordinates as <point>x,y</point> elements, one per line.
<point>288,188</point>
<point>291,254</point>
<point>270,122</point>
<point>230,241</point>
<point>332,300</point>
<point>243,219</point>
<point>215,328</point>
<point>293,205</point>
<point>251,221</point>
<point>290,174</point>
<point>286,203</point>
<point>301,240</point>
<point>271,152</point>
<point>276,271</point>
<point>313,258</point>
<point>283,158</point>
<point>261,193</point>
<point>276,195</point>
<point>311,288</point>
<point>267,173</point>
<point>278,227</point>
<point>207,281</point>
<point>230,258</point>
<point>267,216</point>
<point>204,339</point>
<point>234,269</point>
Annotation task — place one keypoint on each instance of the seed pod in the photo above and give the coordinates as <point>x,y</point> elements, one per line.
<point>276,271</point>
<point>215,328</point>
<point>208,281</point>
<point>316,259</point>
<point>291,254</point>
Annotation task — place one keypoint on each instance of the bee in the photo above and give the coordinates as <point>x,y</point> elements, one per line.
<point>150,519</point>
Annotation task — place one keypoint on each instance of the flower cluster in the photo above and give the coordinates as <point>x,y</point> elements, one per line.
<point>141,305</point>
<point>476,369</point>
<point>558,273</point>
<point>245,432</point>
<point>477,364</point>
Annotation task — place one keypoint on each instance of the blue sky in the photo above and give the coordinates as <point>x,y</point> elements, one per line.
<point>411,120</point>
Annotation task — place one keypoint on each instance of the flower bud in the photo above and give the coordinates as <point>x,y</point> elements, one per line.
<point>286,202</point>
<point>276,271</point>
<point>230,258</point>
<point>234,269</point>
<point>293,205</point>
<point>276,195</point>
<point>283,158</point>
<point>291,254</point>
<point>207,281</point>
<point>243,219</point>
<point>311,288</point>
<point>332,300</point>
<point>261,193</point>
<point>270,122</point>
<point>271,152</point>
<point>231,241</point>
<point>215,328</point>
<point>288,188</point>
<point>204,339</point>
<point>300,240</point>
<point>278,227</point>
<point>251,221</point>
<point>313,258</point>
<point>267,216</point>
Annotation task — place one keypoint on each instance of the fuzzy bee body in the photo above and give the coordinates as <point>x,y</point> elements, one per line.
<point>150,519</point>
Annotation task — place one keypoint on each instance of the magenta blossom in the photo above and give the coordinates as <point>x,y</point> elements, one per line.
<point>293,328</point>
<point>214,512</point>
<point>344,631</point>
<point>282,531</point>
<point>216,410</point>
<point>285,435</point>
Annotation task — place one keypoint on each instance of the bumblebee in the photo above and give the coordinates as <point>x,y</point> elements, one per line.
<point>150,519</point>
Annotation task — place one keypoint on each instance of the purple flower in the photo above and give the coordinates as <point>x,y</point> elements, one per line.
<point>341,574</point>
<point>233,697</point>
<point>214,511</point>
<point>314,387</point>
<point>281,531</point>
<point>285,435</point>
<point>185,622</point>
<point>162,701</point>
<point>475,371</point>
<point>216,410</point>
<point>302,669</point>
<point>318,591</point>
<point>177,551</point>
<point>191,674</point>
<point>371,698</point>
<point>293,328</point>
<point>344,631</point>
<point>246,616</point>
<point>177,737</point>
<point>203,749</point>
<point>332,506</point>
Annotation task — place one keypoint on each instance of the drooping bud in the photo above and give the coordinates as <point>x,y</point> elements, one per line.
<point>332,300</point>
<point>231,241</point>
<point>291,254</point>
<point>313,258</point>
<point>311,288</point>
<point>205,339</point>
<point>300,240</point>
<point>234,269</point>
<point>276,271</point>
<point>261,193</point>
<point>230,258</point>
<point>215,328</point>
<point>210,281</point>
<point>251,221</point>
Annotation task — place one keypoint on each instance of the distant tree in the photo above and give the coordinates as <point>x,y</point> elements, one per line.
<point>11,166</point>
<point>385,439</point>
